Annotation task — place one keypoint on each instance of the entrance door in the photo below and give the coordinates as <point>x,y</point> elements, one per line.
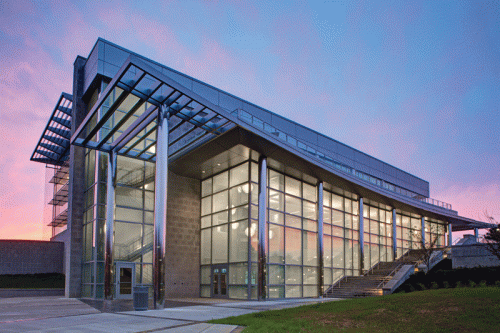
<point>219,281</point>
<point>125,280</point>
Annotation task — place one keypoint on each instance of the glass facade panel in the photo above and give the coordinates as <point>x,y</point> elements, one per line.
<point>293,186</point>
<point>238,241</point>
<point>220,182</point>
<point>219,244</point>
<point>293,205</point>
<point>239,175</point>
<point>276,244</point>
<point>293,247</point>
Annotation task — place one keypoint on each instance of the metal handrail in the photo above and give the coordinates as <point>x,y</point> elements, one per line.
<point>370,270</point>
<point>392,273</point>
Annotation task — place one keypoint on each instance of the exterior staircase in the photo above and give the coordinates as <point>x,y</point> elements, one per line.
<point>372,282</point>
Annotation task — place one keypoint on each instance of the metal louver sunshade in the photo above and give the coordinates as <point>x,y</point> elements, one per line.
<point>53,146</point>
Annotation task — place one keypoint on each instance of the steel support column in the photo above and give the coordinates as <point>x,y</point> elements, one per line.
<point>320,240</point>
<point>476,234</point>
<point>108,226</point>
<point>160,214</point>
<point>262,250</point>
<point>450,235</point>
<point>394,236</point>
<point>423,230</point>
<point>361,238</point>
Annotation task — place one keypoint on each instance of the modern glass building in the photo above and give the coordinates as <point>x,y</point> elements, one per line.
<point>163,180</point>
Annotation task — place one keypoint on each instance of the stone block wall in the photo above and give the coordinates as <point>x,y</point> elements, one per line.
<point>476,255</point>
<point>31,257</point>
<point>183,237</point>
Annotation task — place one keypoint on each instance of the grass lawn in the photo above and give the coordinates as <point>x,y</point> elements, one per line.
<point>441,310</point>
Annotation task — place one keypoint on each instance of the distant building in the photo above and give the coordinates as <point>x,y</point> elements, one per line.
<point>163,180</point>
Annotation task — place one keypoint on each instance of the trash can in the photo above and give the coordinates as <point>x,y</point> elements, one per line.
<point>141,294</point>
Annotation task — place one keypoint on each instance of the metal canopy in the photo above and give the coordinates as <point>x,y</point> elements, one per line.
<point>124,119</point>
<point>53,146</point>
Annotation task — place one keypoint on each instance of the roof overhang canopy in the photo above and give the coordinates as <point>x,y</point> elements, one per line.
<point>461,223</point>
<point>124,119</point>
<point>53,146</point>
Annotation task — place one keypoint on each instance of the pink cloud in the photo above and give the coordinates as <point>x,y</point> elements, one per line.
<point>472,201</point>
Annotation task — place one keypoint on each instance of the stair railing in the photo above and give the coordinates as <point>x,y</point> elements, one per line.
<point>391,274</point>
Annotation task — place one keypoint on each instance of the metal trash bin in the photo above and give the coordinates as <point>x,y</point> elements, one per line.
<point>141,295</point>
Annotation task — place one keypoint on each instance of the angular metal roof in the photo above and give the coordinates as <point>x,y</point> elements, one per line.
<point>124,117</point>
<point>124,120</point>
<point>53,146</point>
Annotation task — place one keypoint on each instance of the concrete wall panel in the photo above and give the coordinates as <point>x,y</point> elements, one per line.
<point>31,257</point>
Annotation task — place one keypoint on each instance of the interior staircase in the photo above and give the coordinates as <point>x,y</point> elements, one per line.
<point>371,283</point>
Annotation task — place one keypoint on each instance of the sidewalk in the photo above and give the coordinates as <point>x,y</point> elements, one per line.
<point>58,314</point>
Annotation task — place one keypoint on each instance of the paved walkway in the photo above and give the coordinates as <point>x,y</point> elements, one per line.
<point>58,314</point>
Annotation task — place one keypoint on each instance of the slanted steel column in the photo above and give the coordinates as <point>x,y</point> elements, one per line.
<point>262,250</point>
<point>361,238</point>
<point>394,238</point>
<point>423,230</point>
<point>160,215</point>
<point>320,240</point>
<point>450,235</point>
<point>108,226</point>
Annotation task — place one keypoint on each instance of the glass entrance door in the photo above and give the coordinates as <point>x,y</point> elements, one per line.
<point>125,280</point>
<point>219,281</point>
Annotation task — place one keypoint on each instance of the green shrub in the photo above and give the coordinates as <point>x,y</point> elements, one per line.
<point>446,284</point>
<point>422,286</point>
<point>483,283</point>
<point>434,285</point>
<point>459,284</point>
<point>32,281</point>
<point>497,284</point>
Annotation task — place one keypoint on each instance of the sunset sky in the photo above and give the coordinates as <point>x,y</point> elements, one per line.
<point>413,83</point>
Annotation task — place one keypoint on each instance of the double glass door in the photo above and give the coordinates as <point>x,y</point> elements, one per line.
<point>219,281</point>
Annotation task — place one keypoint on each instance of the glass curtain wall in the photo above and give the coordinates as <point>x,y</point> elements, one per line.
<point>93,220</point>
<point>409,229</point>
<point>227,237</point>
<point>134,205</point>
<point>435,230</point>
<point>377,221</point>
<point>340,235</point>
<point>292,235</point>
<point>134,217</point>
